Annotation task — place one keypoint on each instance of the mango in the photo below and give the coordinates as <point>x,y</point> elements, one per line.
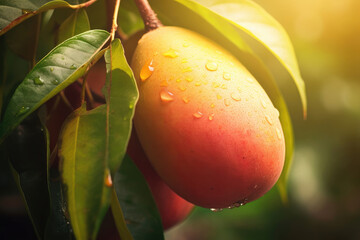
<point>208,128</point>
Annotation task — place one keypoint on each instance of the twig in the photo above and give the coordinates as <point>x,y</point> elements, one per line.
<point>148,15</point>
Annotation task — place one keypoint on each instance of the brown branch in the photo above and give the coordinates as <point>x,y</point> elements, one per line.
<point>148,15</point>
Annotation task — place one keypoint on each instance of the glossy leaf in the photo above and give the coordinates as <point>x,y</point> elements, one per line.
<point>84,170</point>
<point>230,16</point>
<point>139,209</point>
<point>14,12</point>
<point>62,66</point>
<point>121,95</point>
<point>76,23</point>
<point>26,148</point>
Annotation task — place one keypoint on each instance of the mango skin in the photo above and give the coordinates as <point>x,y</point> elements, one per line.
<point>208,128</point>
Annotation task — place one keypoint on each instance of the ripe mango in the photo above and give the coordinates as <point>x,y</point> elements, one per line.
<point>208,128</point>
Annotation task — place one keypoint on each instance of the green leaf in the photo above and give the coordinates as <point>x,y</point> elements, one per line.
<point>26,148</point>
<point>121,95</point>
<point>92,146</point>
<point>84,170</point>
<point>76,23</point>
<point>230,16</point>
<point>62,66</point>
<point>139,208</point>
<point>14,12</point>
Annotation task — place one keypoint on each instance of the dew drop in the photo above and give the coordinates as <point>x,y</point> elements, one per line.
<point>227,102</point>
<point>227,76</point>
<point>211,117</point>
<point>223,86</point>
<point>55,81</point>
<point>182,88</point>
<point>23,110</point>
<point>108,180</point>
<point>216,209</point>
<point>131,106</point>
<point>164,83</point>
<point>184,60</point>
<point>171,53</point>
<point>211,66</point>
<point>73,66</point>
<point>51,69</point>
<point>25,11</point>
<point>188,69</point>
<point>212,105</point>
<point>278,133</point>
<point>239,89</point>
<point>277,112</point>
<point>178,80</point>
<point>198,115</point>
<point>38,81</point>
<point>268,119</point>
<point>185,99</point>
<point>189,79</point>
<point>236,96</point>
<point>263,103</point>
<point>147,70</point>
<point>197,83</point>
<point>250,80</point>
<point>215,85</point>
<point>238,203</point>
<point>218,96</point>
<point>166,96</point>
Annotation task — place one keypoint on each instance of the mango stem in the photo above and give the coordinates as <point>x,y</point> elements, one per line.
<point>148,15</point>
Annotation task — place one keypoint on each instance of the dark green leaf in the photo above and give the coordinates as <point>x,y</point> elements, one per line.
<point>14,12</point>
<point>139,209</point>
<point>62,66</point>
<point>230,16</point>
<point>76,23</point>
<point>121,96</point>
<point>26,148</point>
<point>84,170</point>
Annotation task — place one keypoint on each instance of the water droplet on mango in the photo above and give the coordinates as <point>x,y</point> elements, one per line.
<point>218,96</point>
<point>198,115</point>
<point>211,66</point>
<point>263,103</point>
<point>166,96</point>
<point>227,102</point>
<point>147,70</point>
<point>268,119</point>
<point>236,96</point>
<point>171,53</point>
<point>188,69</point>
<point>278,133</point>
<point>227,76</point>
<point>182,88</point>
<point>189,79</point>
<point>211,116</point>
<point>108,180</point>
<point>216,209</point>
<point>185,99</point>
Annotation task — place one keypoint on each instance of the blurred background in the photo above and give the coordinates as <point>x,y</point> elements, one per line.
<point>324,183</point>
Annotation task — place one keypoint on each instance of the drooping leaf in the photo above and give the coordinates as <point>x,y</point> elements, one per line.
<point>84,170</point>
<point>26,148</point>
<point>121,95</point>
<point>58,69</point>
<point>231,16</point>
<point>76,23</point>
<point>139,209</point>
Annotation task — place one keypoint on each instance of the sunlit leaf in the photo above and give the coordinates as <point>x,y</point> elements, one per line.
<point>26,148</point>
<point>14,12</point>
<point>84,170</point>
<point>76,23</point>
<point>121,96</point>
<point>230,16</point>
<point>62,66</point>
<point>139,209</point>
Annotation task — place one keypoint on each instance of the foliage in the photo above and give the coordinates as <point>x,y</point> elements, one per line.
<point>93,141</point>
